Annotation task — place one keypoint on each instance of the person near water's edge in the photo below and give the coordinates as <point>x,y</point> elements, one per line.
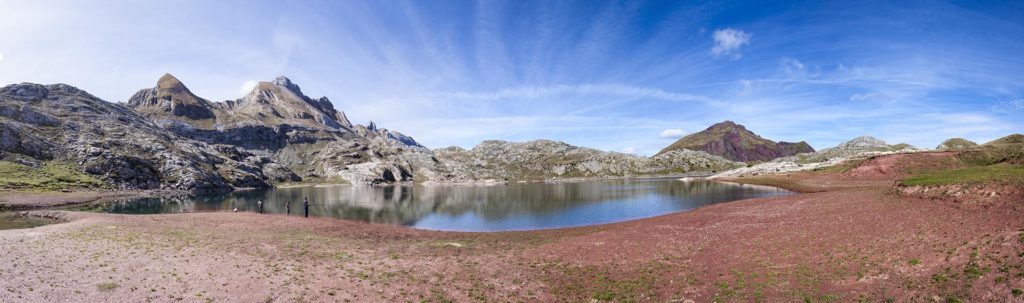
<point>288,207</point>
<point>259,206</point>
<point>305,205</point>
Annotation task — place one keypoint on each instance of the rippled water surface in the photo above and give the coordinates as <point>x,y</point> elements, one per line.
<point>517,206</point>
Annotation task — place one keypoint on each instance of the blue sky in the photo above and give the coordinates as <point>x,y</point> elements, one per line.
<point>619,76</point>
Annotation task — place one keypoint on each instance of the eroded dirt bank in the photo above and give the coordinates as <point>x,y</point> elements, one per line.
<point>850,237</point>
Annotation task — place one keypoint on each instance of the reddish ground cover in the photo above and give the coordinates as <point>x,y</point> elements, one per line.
<point>850,237</point>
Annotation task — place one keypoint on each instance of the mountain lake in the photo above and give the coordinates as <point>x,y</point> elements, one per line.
<point>514,206</point>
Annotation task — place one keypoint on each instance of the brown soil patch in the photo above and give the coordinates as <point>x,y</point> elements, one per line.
<point>898,165</point>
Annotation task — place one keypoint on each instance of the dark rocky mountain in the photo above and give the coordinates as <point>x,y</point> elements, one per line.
<point>44,123</point>
<point>734,142</point>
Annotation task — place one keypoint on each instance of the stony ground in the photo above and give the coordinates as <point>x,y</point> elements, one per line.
<point>851,237</point>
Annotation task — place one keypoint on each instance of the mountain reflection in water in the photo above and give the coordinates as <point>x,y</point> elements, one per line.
<point>517,206</point>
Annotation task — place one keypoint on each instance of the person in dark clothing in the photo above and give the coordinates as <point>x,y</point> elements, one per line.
<point>288,207</point>
<point>305,205</point>
<point>259,205</point>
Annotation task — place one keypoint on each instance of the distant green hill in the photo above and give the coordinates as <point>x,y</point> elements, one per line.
<point>957,144</point>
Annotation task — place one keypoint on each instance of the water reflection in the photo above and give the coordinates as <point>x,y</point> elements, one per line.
<point>518,206</point>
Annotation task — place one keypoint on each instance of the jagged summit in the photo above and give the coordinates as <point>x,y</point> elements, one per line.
<point>273,103</point>
<point>170,97</point>
<point>734,142</point>
<point>287,83</point>
<point>283,99</point>
<point>168,81</point>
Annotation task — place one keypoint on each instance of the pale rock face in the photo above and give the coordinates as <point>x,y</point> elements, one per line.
<point>860,147</point>
<point>377,172</point>
<point>171,97</point>
<point>863,142</point>
<point>544,159</point>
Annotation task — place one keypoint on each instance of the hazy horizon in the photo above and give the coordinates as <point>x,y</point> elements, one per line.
<point>625,76</point>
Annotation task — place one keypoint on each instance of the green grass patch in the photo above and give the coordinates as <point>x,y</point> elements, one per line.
<point>998,173</point>
<point>14,221</point>
<point>50,176</point>
<point>106,286</point>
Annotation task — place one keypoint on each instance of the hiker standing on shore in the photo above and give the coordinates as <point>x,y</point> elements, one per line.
<point>305,205</point>
<point>259,206</point>
<point>288,207</point>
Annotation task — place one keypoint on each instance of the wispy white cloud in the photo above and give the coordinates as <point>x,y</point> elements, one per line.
<point>533,92</point>
<point>585,75</point>
<point>672,133</point>
<point>868,97</point>
<point>793,66</point>
<point>1012,106</point>
<point>247,87</point>
<point>728,41</point>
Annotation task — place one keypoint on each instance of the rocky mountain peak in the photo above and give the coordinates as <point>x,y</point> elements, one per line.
<point>25,91</point>
<point>863,142</point>
<point>171,96</point>
<point>283,81</point>
<point>726,124</point>
<point>734,142</point>
<point>168,81</point>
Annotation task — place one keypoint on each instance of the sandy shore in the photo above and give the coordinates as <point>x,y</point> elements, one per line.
<point>849,237</point>
<point>15,200</point>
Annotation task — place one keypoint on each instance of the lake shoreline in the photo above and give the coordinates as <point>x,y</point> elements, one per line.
<point>852,239</point>
<point>28,200</point>
<point>15,200</point>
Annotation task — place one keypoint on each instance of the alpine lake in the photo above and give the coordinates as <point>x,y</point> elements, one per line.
<point>483,208</point>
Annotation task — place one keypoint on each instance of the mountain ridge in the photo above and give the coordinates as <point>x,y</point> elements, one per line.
<point>167,137</point>
<point>734,142</point>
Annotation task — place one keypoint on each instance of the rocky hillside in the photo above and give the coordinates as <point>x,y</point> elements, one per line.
<point>166,137</point>
<point>862,146</point>
<point>734,142</point>
<point>307,139</point>
<point>956,144</point>
<point>1011,140</point>
<point>543,159</point>
<point>856,146</point>
<point>45,124</point>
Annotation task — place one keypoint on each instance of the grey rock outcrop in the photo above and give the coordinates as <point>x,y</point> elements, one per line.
<point>111,141</point>
<point>301,138</point>
<point>544,159</point>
